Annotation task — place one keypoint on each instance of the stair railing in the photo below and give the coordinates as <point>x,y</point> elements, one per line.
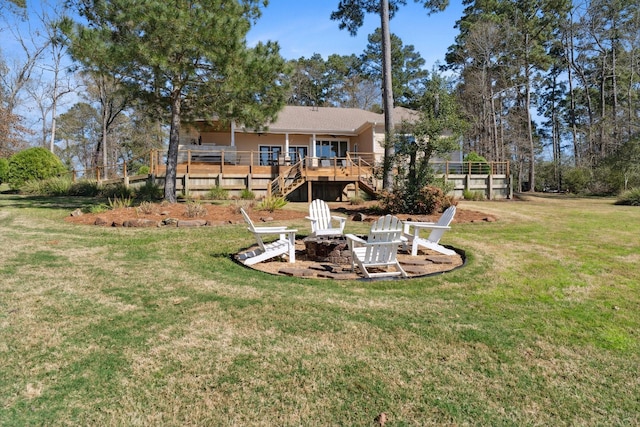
<point>284,181</point>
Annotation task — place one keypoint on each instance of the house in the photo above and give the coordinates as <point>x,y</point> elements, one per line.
<point>300,132</point>
<point>306,153</point>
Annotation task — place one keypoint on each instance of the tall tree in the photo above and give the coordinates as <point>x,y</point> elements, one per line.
<point>15,78</point>
<point>77,136</point>
<point>337,82</point>
<point>526,30</point>
<point>437,132</point>
<point>186,57</point>
<point>350,14</point>
<point>407,73</point>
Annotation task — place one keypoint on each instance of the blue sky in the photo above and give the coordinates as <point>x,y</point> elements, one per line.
<point>304,27</point>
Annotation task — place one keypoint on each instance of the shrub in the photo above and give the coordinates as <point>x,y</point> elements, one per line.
<point>478,164</point>
<point>57,186</point>
<point>149,192</point>
<point>473,195</point>
<point>4,169</point>
<point>218,193</point>
<point>247,194</point>
<point>120,202</point>
<point>144,170</point>
<point>117,190</point>
<point>629,198</point>
<point>272,203</point>
<point>430,199</point>
<point>146,208</point>
<point>246,205</point>
<point>33,164</point>
<point>194,209</point>
<point>34,186</point>
<point>96,209</point>
<point>577,180</point>
<point>85,188</point>
<point>356,200</point>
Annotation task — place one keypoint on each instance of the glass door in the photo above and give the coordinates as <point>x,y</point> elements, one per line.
<point>269,155</point>
<point>297,153</point>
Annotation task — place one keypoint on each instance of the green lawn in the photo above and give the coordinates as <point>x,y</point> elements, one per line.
<point>113,326</point>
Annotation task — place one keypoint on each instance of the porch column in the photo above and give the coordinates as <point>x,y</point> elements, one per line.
<point>313,145</point>
<point>233,133</point>
<point>314,160</point>
<point>287,157</point>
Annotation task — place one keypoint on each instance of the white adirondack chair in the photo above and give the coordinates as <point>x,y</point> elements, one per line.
<point>380,249</point>
<point>322,222</point>
<point>285,245</point>
<point>412,233</point>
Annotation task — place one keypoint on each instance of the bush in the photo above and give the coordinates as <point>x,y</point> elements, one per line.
<point>118,190</point>
<point>577,180</point>
<point>33,164</point>
<point>629,198</point>
<point>356,200</point>
<point>57,186</point>
<point>149,192</point>
<point>478,164</point>
<point>120,202</point>
<point>218,193</point>
<point>33,187</point>
<point>146,208</point>
<point>85,188</point>
<point>143,170</point>
<point>4,169</point>
<point>473,195</point>
<point>195,209</point>
<point>247,194</point>
<point>272,203</point>
<point>96,209</point>
<point>430,199</point>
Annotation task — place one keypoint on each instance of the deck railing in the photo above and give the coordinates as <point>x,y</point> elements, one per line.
<point>356,164</point>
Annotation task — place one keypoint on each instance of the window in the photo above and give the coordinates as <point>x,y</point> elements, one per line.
<point>269,154</point>
<point>297,153</point>
<point>331,149</point>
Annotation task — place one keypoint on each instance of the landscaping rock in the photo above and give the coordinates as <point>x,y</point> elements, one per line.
<point>297,272</point>
<point>359,217</point>
<point>77,212</point>
<point>440,259</point>
<point>412,269</point>
<point>143,223</point>
<point>101,221</point>
<point>416,261</point>
<point>192,223</point>
<point>170,221</point>
<point>217,223</point>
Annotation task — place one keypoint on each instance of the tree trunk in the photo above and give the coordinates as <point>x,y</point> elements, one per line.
<point>105,173</point>
<point>387,96</point>
<point>532,151</point>
<point>172,153</point>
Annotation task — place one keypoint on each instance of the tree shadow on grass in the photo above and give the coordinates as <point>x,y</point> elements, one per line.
<point>9,199</point>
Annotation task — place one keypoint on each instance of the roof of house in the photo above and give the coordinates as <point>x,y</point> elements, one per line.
<point>332,120</point>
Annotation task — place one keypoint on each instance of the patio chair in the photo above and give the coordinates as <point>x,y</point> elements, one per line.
<point>379,250</point>
<point>433,240</point>
<point>284,246</point>
<point>322,222</point>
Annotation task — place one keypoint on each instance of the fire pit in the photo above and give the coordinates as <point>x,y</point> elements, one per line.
<point>333,249</point>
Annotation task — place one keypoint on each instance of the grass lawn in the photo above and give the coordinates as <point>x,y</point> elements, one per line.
<point>114,326</point>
